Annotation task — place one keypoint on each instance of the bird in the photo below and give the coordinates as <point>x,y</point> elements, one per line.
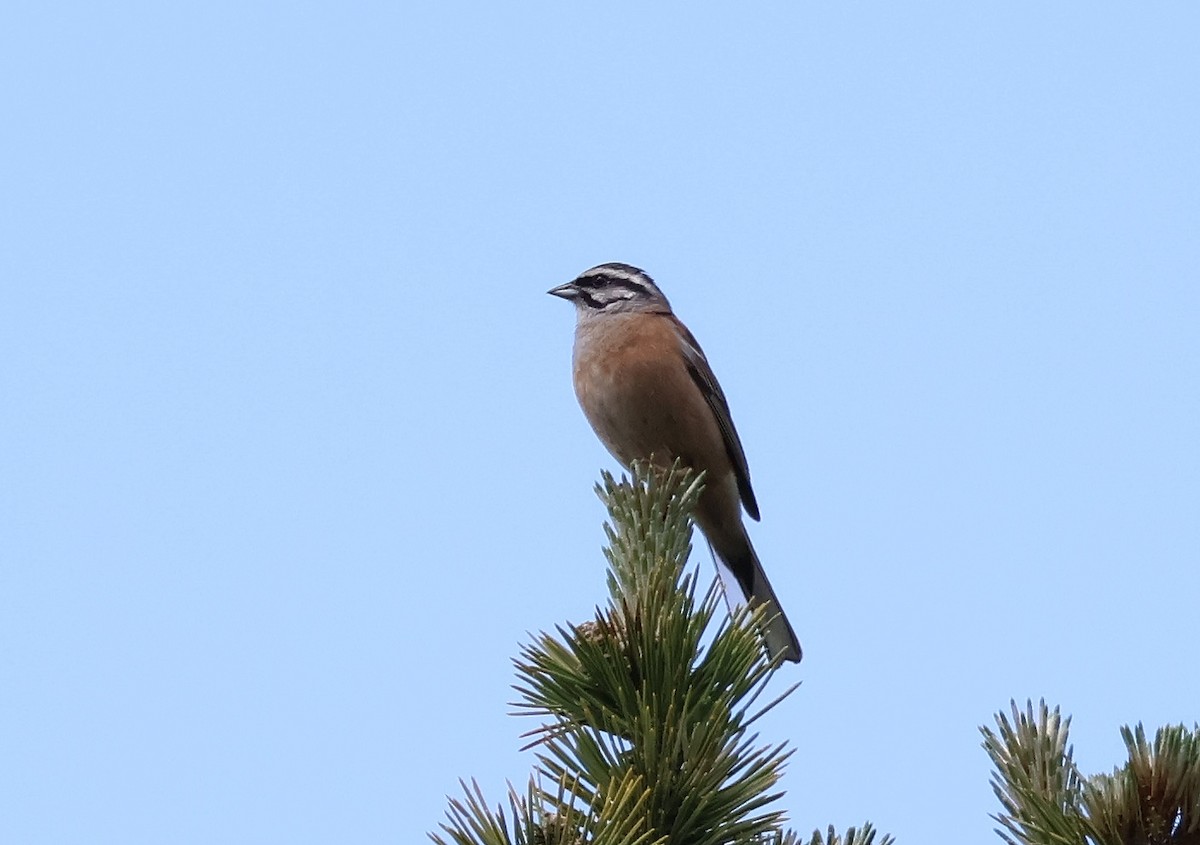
<point>649,393</point>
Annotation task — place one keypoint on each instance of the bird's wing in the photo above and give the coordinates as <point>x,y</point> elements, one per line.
<point>702,374</point>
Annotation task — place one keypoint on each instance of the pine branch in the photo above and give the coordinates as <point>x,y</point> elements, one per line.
<point>646,710</point>
<point>1154,799</point>
<point>854,836</point>
<point>1036,779</point>
<point>639,695</point>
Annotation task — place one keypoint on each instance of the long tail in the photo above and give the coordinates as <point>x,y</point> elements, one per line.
<point>744,566</point>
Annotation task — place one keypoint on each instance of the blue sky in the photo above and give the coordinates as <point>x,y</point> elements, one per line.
<point>291,462</point>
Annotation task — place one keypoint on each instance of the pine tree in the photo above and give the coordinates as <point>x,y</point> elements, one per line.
<point>647,711</point>
<point>1154,799</point>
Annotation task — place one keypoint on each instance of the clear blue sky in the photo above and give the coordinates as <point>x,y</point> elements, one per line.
<point>290,460</point>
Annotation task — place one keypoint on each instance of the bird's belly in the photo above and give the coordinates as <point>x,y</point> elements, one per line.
<point>638,416</point>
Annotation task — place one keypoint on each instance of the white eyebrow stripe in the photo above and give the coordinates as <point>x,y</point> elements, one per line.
<point>618,272</point>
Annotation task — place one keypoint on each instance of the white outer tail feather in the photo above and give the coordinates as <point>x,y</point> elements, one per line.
<point>780,638</point>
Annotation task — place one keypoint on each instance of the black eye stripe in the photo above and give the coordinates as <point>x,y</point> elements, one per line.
<point>602,281</point>
<point>598,281</point>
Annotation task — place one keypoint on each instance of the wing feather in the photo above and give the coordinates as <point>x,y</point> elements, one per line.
<point>702,374</point>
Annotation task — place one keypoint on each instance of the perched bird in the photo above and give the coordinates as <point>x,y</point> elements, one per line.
<point>647,389</point>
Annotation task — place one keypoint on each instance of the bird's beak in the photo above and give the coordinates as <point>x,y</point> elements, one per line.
<point>567,291</point>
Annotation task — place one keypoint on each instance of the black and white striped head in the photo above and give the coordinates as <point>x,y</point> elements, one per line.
<point>613,289</point>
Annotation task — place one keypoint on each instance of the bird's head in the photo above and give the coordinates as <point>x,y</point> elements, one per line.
<point>613,288</point>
